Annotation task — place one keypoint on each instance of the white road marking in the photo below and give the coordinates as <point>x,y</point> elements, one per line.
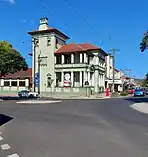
<point>37,102</point>
<point>5,146</point>
<point>141,107</point>
<point>13,155</point>
<point>1,138</point>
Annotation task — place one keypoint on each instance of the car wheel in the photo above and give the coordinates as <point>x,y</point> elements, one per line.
<point>31,96</point>
<point>20,95</point>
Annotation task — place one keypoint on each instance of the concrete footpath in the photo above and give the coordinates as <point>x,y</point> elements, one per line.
<point>79,96</point>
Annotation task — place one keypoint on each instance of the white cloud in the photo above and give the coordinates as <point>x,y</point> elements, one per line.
<point>10,1</point>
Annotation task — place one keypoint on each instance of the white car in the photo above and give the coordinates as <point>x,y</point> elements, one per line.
<point>27,94</point>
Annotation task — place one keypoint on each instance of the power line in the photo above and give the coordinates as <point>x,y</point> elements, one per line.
<point>45,6</point>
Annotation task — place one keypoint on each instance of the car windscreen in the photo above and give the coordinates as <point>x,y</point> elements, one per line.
<point>138,90</point>
<point>24,91</point>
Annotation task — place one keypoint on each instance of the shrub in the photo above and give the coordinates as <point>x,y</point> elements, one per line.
<point>123,93</point>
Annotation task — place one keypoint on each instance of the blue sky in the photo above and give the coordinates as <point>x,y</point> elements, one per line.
<point>105,23</point>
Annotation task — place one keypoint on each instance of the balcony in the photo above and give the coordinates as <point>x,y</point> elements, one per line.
<point>72,65</point>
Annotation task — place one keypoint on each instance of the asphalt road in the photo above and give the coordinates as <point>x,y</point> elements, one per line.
<point>75,128</point>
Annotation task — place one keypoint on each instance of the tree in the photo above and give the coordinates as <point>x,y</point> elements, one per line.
<point>10,60</point>
<point>145,82</point>
<point>144,43</point>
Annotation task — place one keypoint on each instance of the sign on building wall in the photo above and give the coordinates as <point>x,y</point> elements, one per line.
<point>67,80</point>
<point>37,79</point>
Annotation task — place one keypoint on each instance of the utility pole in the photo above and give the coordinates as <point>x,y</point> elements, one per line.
<point>40,59</point>
<point>39,65</point>
<point>113,51</point>
<point>35,42</point>
<point>129,72</point>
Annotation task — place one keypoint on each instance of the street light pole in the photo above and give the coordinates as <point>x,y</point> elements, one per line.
<point>113,55</point>
<point>113,87</point>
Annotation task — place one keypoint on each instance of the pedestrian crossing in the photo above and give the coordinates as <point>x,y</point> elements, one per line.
<point>5,149</point>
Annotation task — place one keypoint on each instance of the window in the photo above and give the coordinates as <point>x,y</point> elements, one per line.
<point>58,78</point>
<point>48,41</point>
<point>77,58</point>
<point>58,59</point>
<point>49,81</point>
<point>82,57</point>
<point>14,83</point>
<point>6,83</point>
<point>36,42</point>
<point>76,76</point>
<point>67,59</point>
<point>21,83</point>
<point>56,43</point>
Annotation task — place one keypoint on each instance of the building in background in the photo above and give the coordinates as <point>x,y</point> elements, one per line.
<point>119,75</point>
<point>65,67</point>
<point>21,80</point>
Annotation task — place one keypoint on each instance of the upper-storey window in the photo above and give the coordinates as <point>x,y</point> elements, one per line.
<point>48,41</point>
<point>58,59</point>
<point>56,44</point>
<point>77,58</point>
<point>35,42</point>
<point>67,59</point>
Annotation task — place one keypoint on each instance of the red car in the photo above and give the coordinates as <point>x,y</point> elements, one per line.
<point>130,91</point>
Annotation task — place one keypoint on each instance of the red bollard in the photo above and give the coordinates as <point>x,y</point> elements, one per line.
<point>107,92</point>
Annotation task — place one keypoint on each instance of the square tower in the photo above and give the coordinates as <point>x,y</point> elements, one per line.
<point>45,42</point>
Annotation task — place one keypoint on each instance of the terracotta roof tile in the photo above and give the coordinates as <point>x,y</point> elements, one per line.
<point>50,29</point>
<point>88,46</point>
<point>20,74</point>
<point>76,48</point>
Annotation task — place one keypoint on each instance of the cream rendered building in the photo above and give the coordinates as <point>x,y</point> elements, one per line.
<point>119,75</point>
<point>65,67</point>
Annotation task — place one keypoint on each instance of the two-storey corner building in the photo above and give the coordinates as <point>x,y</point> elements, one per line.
<point>65,67</point>
<point>76,64</point>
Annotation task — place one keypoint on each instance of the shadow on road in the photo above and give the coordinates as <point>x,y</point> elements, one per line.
<point>138,99</point>
<point>18,98</point>
<point>4,119</point>
<point>14,98</point>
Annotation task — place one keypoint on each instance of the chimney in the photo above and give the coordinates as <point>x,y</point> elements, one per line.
<point>43,23</point>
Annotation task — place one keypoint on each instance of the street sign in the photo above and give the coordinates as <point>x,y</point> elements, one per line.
<point>37,74</point>
<point>37,79</point>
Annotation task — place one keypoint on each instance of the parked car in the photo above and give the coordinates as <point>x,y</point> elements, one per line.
<point>27,94</point>
<point>130,91</point>
<point>146,91</point>
<point>139,92</point>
